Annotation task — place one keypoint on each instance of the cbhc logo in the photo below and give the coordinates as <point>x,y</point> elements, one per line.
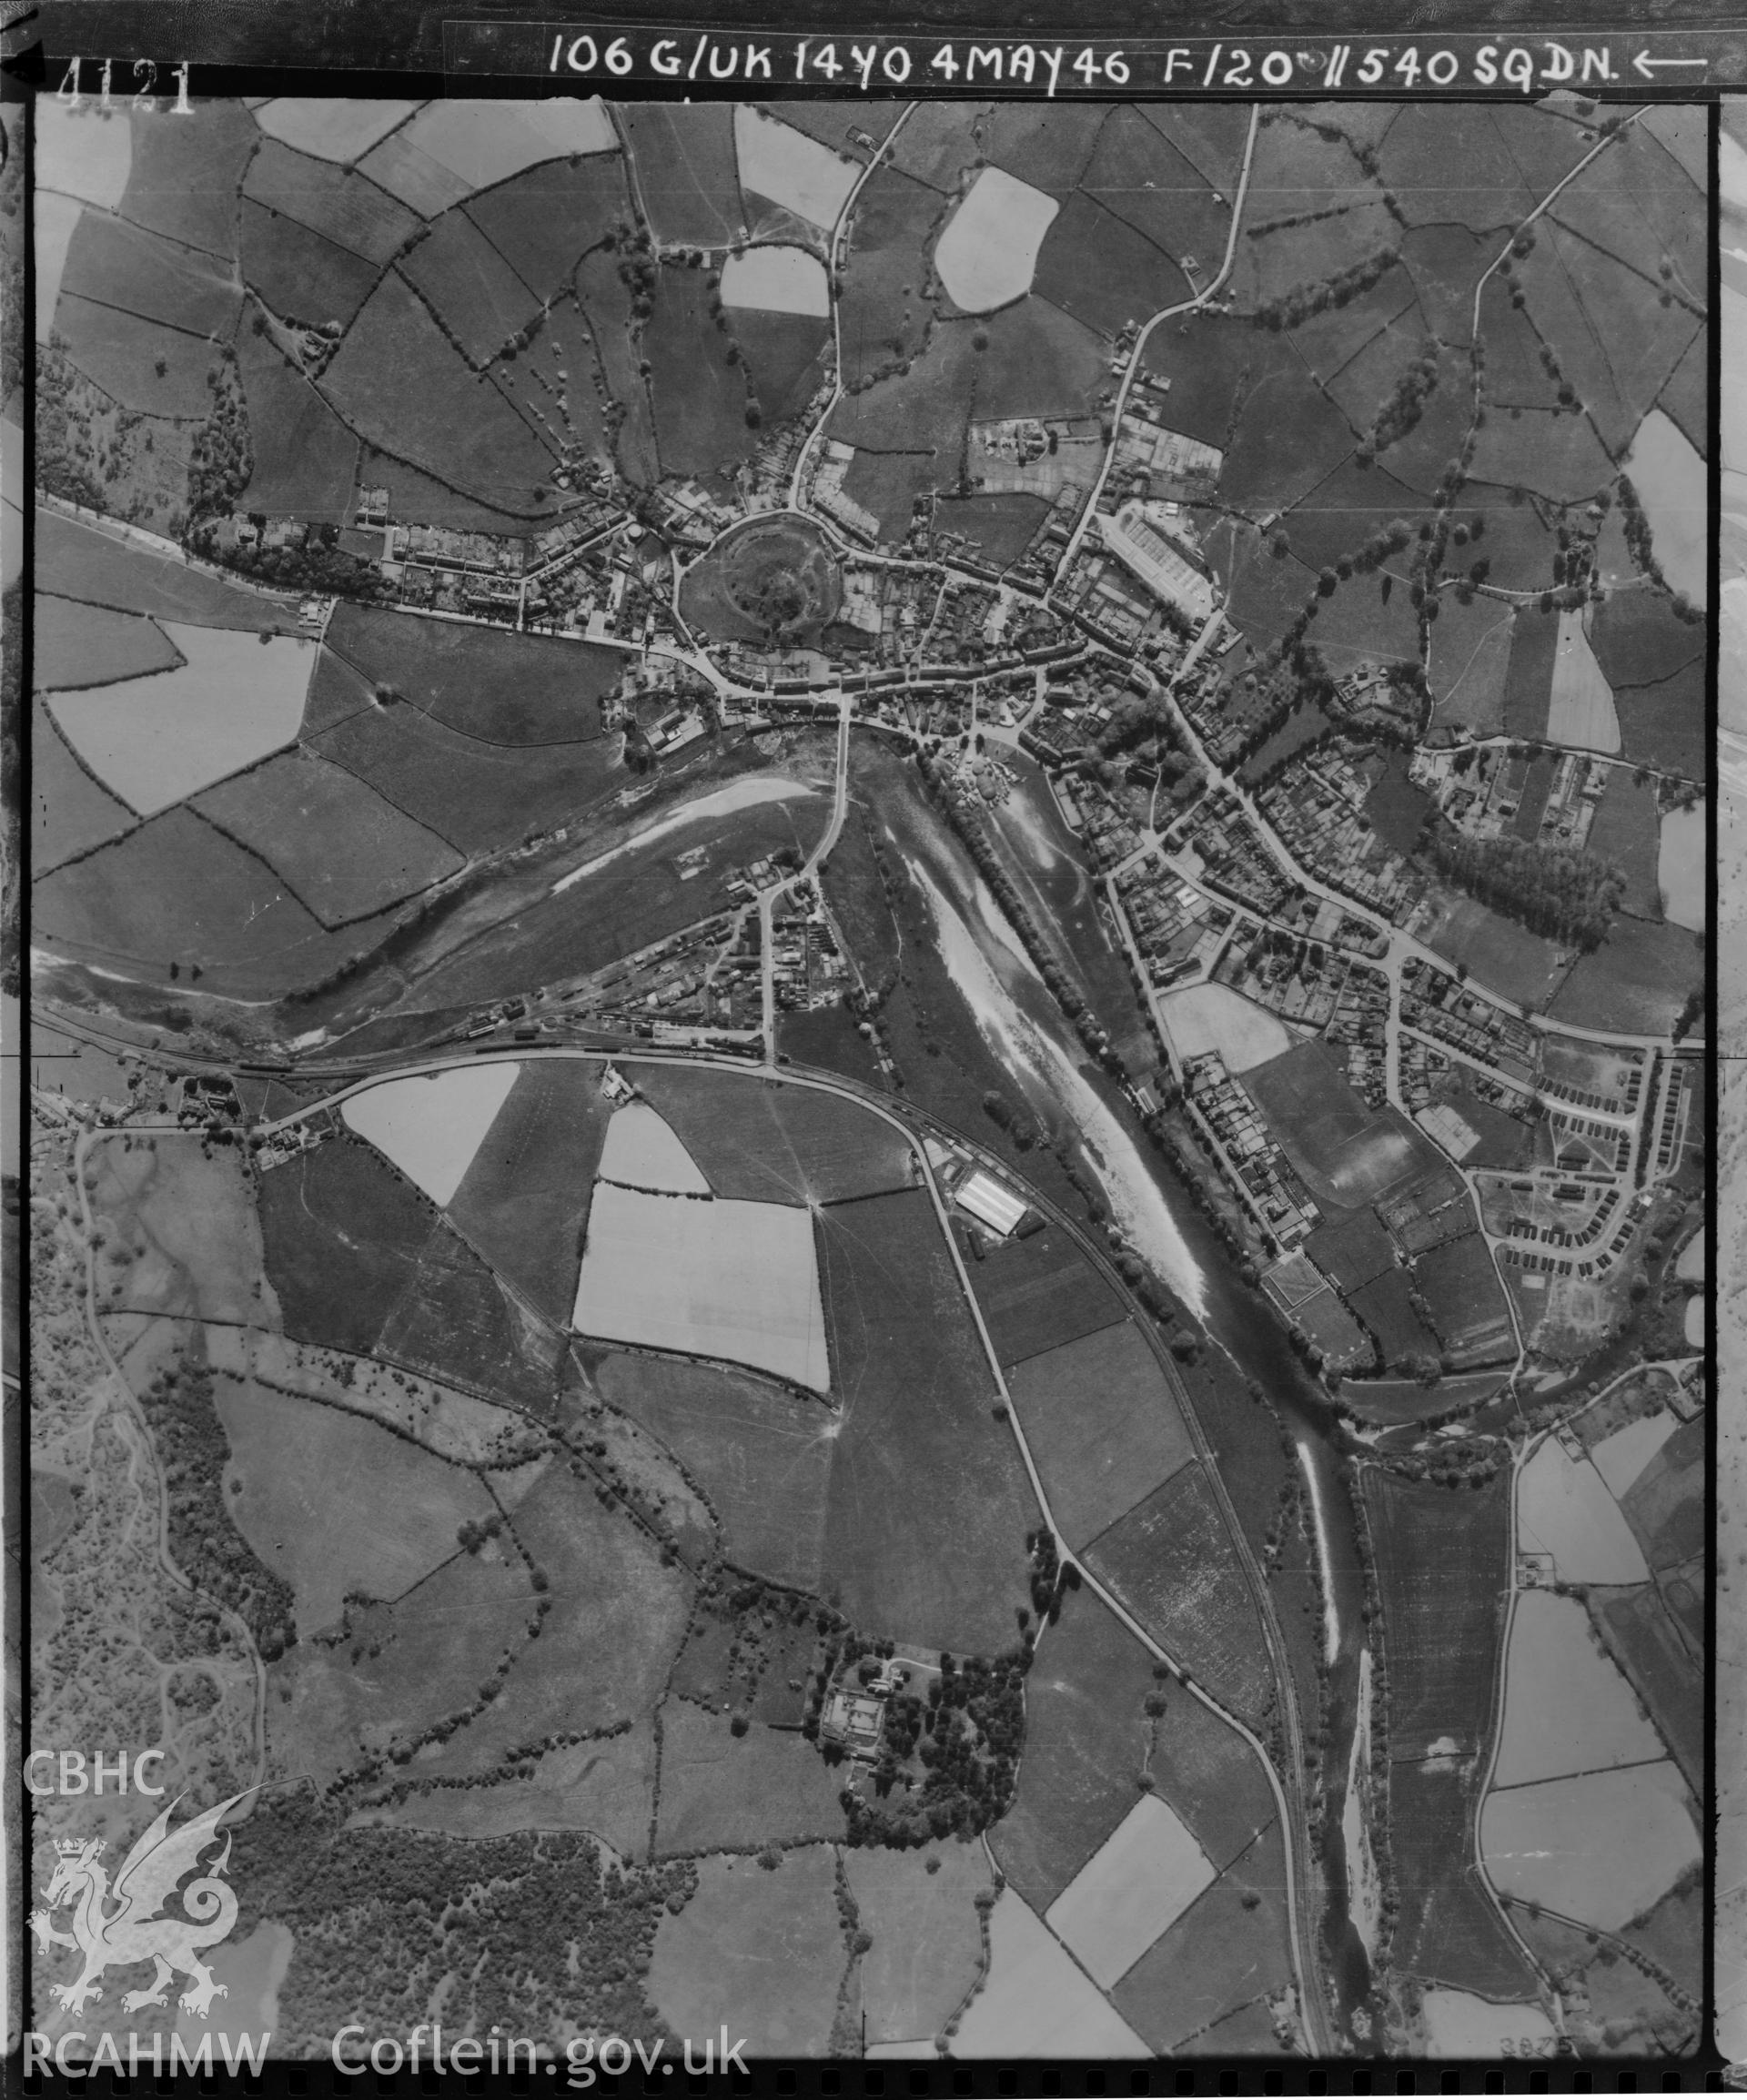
<point>69,1772</point>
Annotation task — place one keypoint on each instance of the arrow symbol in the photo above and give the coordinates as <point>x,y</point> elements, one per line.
<point>1649,67</point>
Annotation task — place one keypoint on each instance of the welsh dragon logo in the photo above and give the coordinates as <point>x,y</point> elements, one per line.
<point>135,1932</point>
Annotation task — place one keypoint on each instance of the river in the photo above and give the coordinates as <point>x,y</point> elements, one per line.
<point>1026,1028</point>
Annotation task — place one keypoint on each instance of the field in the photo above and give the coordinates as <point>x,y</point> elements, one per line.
<point>618,1615</point>
<point>524,1200</point>
<point>1099,269</point>
<point>343,1233</point>
<point>480,149</point>
<point>1139,1881</point>
<point>339,206</point>
<point>342,849</point>
<point>78,646</point>
<point>440,417</point>
<point>719,1789</point>
<point>1139,175</point>
<point>1557,456</point>
<point>1600,1848</point>
<point>776,578</point>
<point>927,1949</point>
<point>476,296</point>
<point>929,1505</point>
<point>297,274</point>
<point>727,1279</point>
<point>999,528</point>
<point>685,156</point>
<point>501,688</point>
<point>1035,2001</point>
<point>758,1949</point>
<point>1661,725</point>
<point>1461,1286</point>
<point>303,459</point>
<point>431,1126</point>
<point>1347,1153</point>
<point>1448,1929</point>
<point>1566,1707</point>
<point>603,295</point>
<point>1427,153</point>
<point>1172,1563</point>
<point>987,253</point>
<point>1625,832</point>
<point>119,266</point>
<point>1444,261</point>
<point>175,892</point>
<point>702,421</point>
<point>1581,714</point>
<point>1224,1952</point>
<point>1665,1504</point>
<point>1103,1427</point>
<point>1457,2023</point>
<point>142,367</point>
<point>605,1785</point>
<point>1384,1306</point>
<point>189,1214</point>
<point>1636,981</point>
<point>1214,1017</point>
<point>1640,1637</point>
<point>791,168</point>
<point>479,796</point>
<point>1682,860</point>
<point>544,221</point>
<point>879,313</point>
<point>784,357</point>
<point>1564,1509</point>
<point>1505,957</point>
<point>1289,438</point>
<point>1669,479</point>
<point>1038,1293</point>
<point>766,1143</point>
<point>183,178</point>
<point>336,1505</point>
<point>642,1152</point>
<point>457,1321</point>
<point>70,813</point>
<point>1441,1569</point>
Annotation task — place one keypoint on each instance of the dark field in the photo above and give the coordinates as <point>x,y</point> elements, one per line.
<point>929,1502</point>
<point>1352,1253</point>
<point>1048,147</point>
<point>760,1453</point>
<point>1327,341</point>
<point>478,298</point>
<point>1040,362</point>
<point>1441,1567</point>
<point>1637,980</point>
<point>343,852</point>
<point>1218,1955</point>
<point>828,1039</point>
<point>782,354</point>
<point>1338,515</point>
<point>1139,175</point>
<point>1038,1293</point>
<point>440,417</point>
<point>1173,1564</point>
<point>1289,438</point>
<point>500,688</point>
<point>119,265</point>
<point>770,1143</point>
<point>1103,1425</point>
<point>700,396</point>
<point>1556,456</point>
<point>1505,957</point>
<point>1636,1630</point>
<point>1347,1153</point>
<point>477,795</point>
<point>936,144</point>
<point>602,294</point>
<point>1529,683</point>
<point>1444,261</point>
<point>1383,1306</point>
<point>524,1199</point>
<point>1209,134</point>
<point>305,460</point>
<point>456,1321</point>
<point>1628,833</point>
<point>685,161</point>
<point>999,528</point>
<point>1099,269</point>
<point>1663,725</point>
<point>342,207</point>
<point>120,353</point>
<point>544,221</point>
<point>69,811</point>
<point>879,311</point>
<point>297,272</point>
<point>1665,1504</point>
<point>1460,1285</point>
<point>177,891</point>
<point>1446,1930</point>
<point>343,1234</point>
<point>184,176</point>
<point>1448,166</point>
<point>1087,1739</point>
<point>1395,808</point>
<point>78,646</point>
<point>1639,640</point>
<point>720,1790</point>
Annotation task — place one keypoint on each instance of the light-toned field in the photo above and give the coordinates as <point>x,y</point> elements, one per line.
<point>775,280</point>
<point>1692,1325</point>
<point>1036,2003</point>
<point>1600,1849</point>
<point>1138,1883</point>
<point>57,219</point>
<point>431,1126</point>
<point>1621,1458</point>
<point>336,1504</point>
<point>1564,1509</point>
<point>251,1973</point>
<point>642,1152</point>
<point>1669,479</point>
<point>1457,2023</point>
<point>733,1280</point>
<point>988,253</point>
<point>483,142</point>
<point>757,1948</point>
<point>1214,1017</point>
<point>785,165</point>
<point>87,152</point>
<point>606,1786</point>
<point>740,795</point>
<point>1681,862</point>
<point>160,738</point>
<point>338,130</point>
<point>1566,1707</point>
<point>1581,714</point>
<point>927,1940</point>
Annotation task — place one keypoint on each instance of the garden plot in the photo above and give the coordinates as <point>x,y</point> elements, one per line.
<point>1622,1457</point>
<point>1564,1509</point>
<point>430,1126</point>
<point>1680,866</point>
<point>1139,1881</point>
<point>785,165</point>
<point>775,280</point>
<point>733,1280</point>
<point>987,255</point>
<point>339,131</point>
<point>1035,2001</point>
<point>156,740</point>
<point>642,1152</point>
<point>1566,1707</point>
<point>1581,714</point>
<point>1600,1849</point>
